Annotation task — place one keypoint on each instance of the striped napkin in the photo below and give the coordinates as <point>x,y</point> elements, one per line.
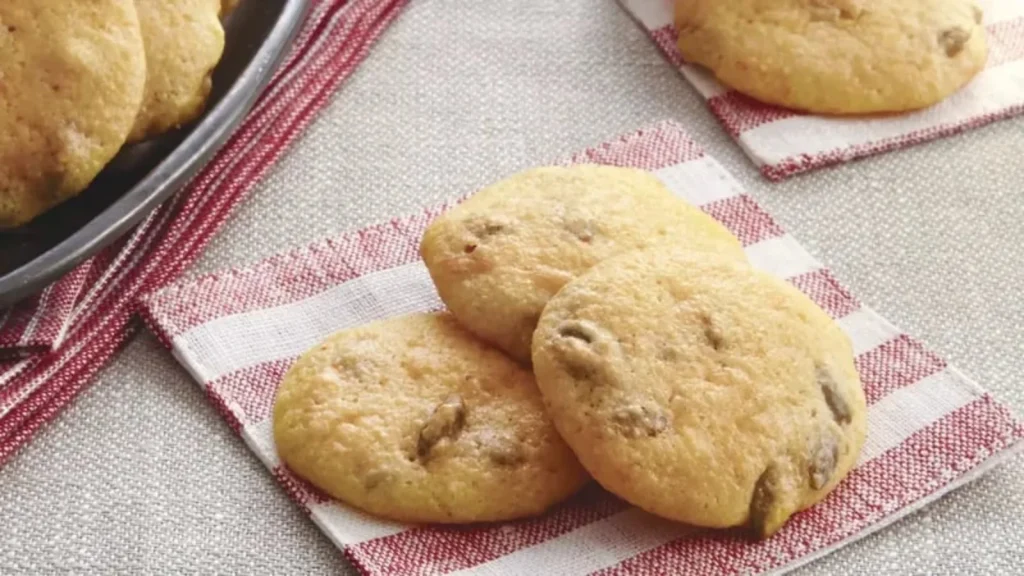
<point>930,428</point>
<point>40,323</point>
<point>51,345</point>
<point>782,143</point>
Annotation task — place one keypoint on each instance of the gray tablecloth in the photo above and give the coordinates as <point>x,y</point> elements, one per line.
<point>141,475</point>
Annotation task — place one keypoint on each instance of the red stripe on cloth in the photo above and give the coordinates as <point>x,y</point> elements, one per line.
<point>252,389</point>
<point>38,324</point>
<point>662,145</point>
<point>744,218</point>
<point>807,162</point>
<point>220,404</point>
<point>240,295</point>
<point>923,464</point>
<point>895,364</point>
<point>665,37</point>
<point>440,549</point>
<point>59,305</point>
<point>23,379</point>
<point>21,423</point>
<point>826,292</point>
<point>739,113</point>
<point>1005,42</point>
<point>288,277</point>
<point>300,273</point>
<point>190,231</point>
<point>303,493</point>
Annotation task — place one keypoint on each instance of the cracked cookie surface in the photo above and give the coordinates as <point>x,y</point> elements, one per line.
<point>415,420</point>
<point>499,256</point>
<point>836,56</point>
<point>699,389</point>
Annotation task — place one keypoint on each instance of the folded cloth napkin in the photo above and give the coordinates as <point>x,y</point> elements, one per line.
<point>39,323</point>
<point>51,345</point>
<point>930,428</point>
<point>783,142</point>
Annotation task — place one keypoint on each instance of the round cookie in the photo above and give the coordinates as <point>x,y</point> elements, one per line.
<point>413,419</point>
<point>71,80</point>
<point>184,42</point>
<point>499,256</point>
<point>836,56</point>
<point>700,390</point>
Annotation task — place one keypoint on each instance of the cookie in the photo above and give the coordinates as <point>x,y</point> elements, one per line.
<point>499,256</point>
<point>836,56</point>
<point>700,390</point>
<point>184,42</point>
<point>71,81</point>
<point>415,420</point>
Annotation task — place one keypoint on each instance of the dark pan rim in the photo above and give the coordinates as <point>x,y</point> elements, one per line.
<point>178,167</point>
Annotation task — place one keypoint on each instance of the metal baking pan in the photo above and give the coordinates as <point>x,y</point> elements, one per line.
<point>257,36</point>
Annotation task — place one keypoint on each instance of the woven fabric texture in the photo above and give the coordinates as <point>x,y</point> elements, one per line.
<point>237,331</point>
<point>783,143</point>
<point>141,475</point>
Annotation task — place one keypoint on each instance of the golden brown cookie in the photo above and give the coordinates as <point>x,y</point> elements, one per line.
<point>499,256</point>
<point>836,56</point>
<point>184,42</point>
<point>413,419</point>
<point>71,81</point>
<point>700,390</point>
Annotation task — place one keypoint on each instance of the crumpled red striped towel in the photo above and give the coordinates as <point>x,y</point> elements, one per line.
<point>783,143</point>
<point>52,345</point>
<point>930,428</point>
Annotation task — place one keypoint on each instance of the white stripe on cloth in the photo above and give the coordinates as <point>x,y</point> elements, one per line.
<point>704,81</point>
<point>291,329</point>
<point>652,14</point>
<point>912,408</point>
<point>607,542</point>
<point>235,342</point>
<point>782,256</point>
<point>866,330</point>
<point>996,11</point>
<point>288,330</point>
<point>347,526</point>
<point>993,90</point>
<point>701,181</point>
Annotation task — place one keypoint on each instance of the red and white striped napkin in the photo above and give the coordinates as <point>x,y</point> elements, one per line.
<point>40,323</point>
<point>930,428</point>
<point>53,344</point>
<point>782,142</point>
